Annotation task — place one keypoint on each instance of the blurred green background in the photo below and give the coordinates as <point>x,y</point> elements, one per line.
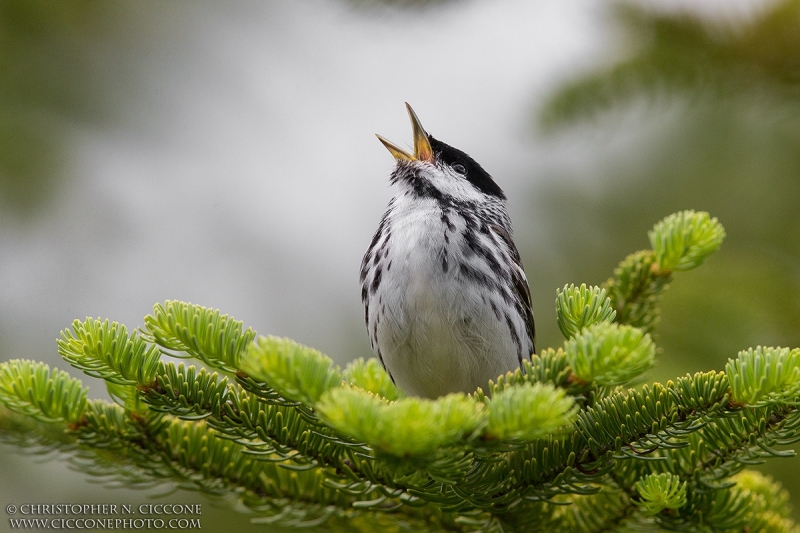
<point>223,154</point>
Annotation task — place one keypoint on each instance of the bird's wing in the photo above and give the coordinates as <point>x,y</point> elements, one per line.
<point>519,282</point>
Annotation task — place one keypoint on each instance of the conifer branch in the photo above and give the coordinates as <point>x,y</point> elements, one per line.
<point>556,444</point>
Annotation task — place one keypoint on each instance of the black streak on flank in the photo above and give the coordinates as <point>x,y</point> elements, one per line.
<point>376,281</point>
<point>380,358</point>
<point>378,233</point>
<point>496,310</point>
<point>515,338</point>
<point>474,172</point>
<point>474,275</point>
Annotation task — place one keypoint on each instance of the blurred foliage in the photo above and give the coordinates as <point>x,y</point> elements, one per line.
<point>726,142</point>
<point>59,65</point>
<point>403,4</point>
<point>700,113</point>
<point>683,52</point>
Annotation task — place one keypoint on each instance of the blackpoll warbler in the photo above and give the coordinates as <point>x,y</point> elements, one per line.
<point>446,299</point>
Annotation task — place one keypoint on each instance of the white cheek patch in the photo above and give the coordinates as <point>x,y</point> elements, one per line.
<point>454,184</point>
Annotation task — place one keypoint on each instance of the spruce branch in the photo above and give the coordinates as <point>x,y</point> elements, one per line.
<point>763,376</point>
<point>205,334</point>
<point>273,431</point>
<point>580,307</point>
<point>659,492</point>
<point>406,427</point>
<point>548,366</point>
<point>528,412</point>
<point>370,376</point>
<point>103,349</point>
<point>769,503</point>
<point>684,240</point>
<point>607,510</point>
<point>296,372</point>
<point>681,241</point>
<point>556,444</point>
<point>45,394</point>
<point>609,354</point>
<point>635,288</point>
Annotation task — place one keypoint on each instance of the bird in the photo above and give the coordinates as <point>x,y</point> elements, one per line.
<point>446,300</point>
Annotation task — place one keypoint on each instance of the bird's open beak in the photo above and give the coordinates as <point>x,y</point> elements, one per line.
<point>422,146</point>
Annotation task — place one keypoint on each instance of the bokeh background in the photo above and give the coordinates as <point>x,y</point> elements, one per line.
<point>223,153</point>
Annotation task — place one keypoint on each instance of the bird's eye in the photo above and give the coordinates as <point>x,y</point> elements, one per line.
<point>460,169</point>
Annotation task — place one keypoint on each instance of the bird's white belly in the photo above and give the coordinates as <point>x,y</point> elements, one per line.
<point>439,335</point>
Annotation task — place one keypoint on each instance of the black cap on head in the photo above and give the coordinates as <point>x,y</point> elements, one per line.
<point>474,172</point>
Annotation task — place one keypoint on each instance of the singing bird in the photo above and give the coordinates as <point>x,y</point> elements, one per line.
<point>446,300</point>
